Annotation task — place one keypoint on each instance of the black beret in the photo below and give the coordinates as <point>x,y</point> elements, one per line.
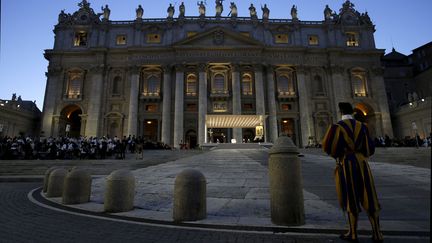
<point>345,108</point>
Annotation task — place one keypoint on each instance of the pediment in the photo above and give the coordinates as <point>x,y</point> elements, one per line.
<point>219,37</point>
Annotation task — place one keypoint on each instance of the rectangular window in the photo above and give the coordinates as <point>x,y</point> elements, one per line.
<point>154,38</point>
<point>151,108</point>
<point>247,107</point>
<point>313,40</point>
<point>352,39</point>
<point>80,38</point>
<point>219,106</point>
<point>191,107</point>
<point>281,38</point>
<point>286,107</point>
<point>121,40</point>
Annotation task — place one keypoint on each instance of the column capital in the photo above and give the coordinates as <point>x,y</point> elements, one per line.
<point>235,67</point>
<point>180,67</point>
<point>257,67</point>
<point>54,70</point>
<point>337,69</point>
<point>377,71</point>
<point>202,67</point>
<point>270,68</point>
<point>302,69</point>
<point>167,68</point>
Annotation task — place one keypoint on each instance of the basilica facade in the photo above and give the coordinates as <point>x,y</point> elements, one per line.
<point>193,80</point>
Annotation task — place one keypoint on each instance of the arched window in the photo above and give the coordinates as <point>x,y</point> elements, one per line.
<point>285,83</point>
<point>191,85</point>
<point>359,83</point>
<point>219,83</point>
<point>247,84</point>
<point>117,86</point>
<point>74,84</point>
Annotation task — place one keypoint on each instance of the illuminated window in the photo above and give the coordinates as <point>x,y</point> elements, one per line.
<point>281,38</point>
<point>286,107</point>
<point>190,34</point>
<point>121,40</point>
<point>151,85</point>
<point>313,40</point>
<point>153,38</point>
<point>74,84</point>
<point>359,83</point>
<point>285,83</point>
<point>352,39</point>
<point>247,84</point>
<point>117,86</point>
<point>80,38</point>
<point>191,85</point>
<point>219,106</point>
<point>151,108</point>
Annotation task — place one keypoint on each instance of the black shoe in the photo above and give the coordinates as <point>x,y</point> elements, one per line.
<point>348,238</point>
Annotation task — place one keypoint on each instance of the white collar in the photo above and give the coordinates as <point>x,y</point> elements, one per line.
<point>346,117</point>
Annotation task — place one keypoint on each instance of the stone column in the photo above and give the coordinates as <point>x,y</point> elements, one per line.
<point>178,106</point>
<point>259,90</point>
<point>339,89</point>
<point>202,104</point>
<point>51,92</point>
<point>380,95</point>
<point>95,102</point>
<point>166,106</point>
<point>272,127</point>
<point>133,101</point>
<point>236,90</point>
<point>306,121</point>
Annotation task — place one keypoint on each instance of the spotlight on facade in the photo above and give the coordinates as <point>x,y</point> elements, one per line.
<point>410,103</point>
<point>422,100</point>
<point>285,121</point>
<point>149,122</point>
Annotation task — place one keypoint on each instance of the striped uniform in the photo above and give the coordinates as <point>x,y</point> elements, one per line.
<point>348,141</point>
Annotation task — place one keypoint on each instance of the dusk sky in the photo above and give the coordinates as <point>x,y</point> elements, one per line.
<point>26,29</point>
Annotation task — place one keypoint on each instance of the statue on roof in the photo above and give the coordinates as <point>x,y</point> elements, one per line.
<point>266,11</point>
<point>201,9</point>
<point>106,12</point>
<point>84,4</point>
<point>170,11</point>
<point>14,97</point>
<point>233,11</point>
<point>139,12</point>
<point>327,13</point>
<point>219,7</point>
<point>366,19</point>
<point>252,10</point>
<point>182,10</point>
<point>294,12</point>
<point>63,17</point>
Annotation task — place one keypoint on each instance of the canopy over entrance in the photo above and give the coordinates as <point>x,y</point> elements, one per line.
<point>234,121</point>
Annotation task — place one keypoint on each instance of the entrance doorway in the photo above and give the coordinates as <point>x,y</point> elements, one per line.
<point>219,135</point>
<point>150,130</point>
<point>191,138</point>
<point>364,113</point>
<point>70,121</point>
<point>288,129</point>
<point>248,135</point>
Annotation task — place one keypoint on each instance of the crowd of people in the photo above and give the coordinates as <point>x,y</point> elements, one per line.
<point>74,148</point>
<point>386,141</point>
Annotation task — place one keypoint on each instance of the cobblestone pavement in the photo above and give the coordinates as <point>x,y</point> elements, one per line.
<point>23,221</point>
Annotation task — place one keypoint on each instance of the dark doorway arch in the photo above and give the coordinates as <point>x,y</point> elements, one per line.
<point>365,113</point>
<point>70,121</point>
<point>191,138</point>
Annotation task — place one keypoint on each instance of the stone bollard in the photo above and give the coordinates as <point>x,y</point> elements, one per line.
<point>77,187</point>
<point>46,178</point>
<point>120,191</point>
<point>190,196</point>
<point>286,186</point>
<point>55,183</point>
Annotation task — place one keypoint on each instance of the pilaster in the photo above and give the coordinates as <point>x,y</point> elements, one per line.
<point>178,106</point>
<point>381,99</point>
<point>133,101</point>
<point>51,89</point>
<point>273,128</point>
<point>166,105</point>
<point>202,104</point>
<point>95,102</point>
<point>236,91</point>
<point>306,121</point>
